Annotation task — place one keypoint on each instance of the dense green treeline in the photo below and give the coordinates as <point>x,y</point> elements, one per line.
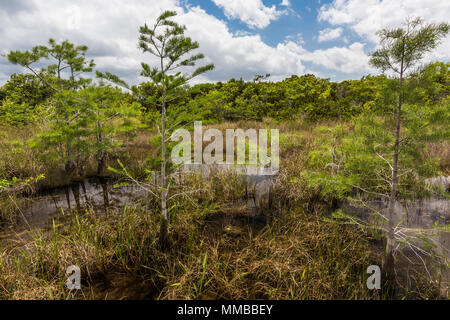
<point>24,96</point>
<point>316,98</point>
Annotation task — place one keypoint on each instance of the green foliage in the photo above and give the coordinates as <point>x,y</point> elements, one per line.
<point>26,88</point>
<point>110,114</point>
<point>12,113</point>
<point>15,182</point>
<point>358,159</point>
<point>171,46</point>
<point>430,84</point>
<point>402,48</point>
<point>65,57</point>
<point>165,96</point>
<point>65,114</point>
<point>78,119</point>
<point>306,97</point>
<point>20,97</point>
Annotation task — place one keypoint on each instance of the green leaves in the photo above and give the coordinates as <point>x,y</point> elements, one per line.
<point>330,186</point>
<point>165,15</point>
<point>201,70</point>
<point>345,161</point>
<point>15,182</point>
<point>81,118</point>
<point>402,48</point>
<point>112,78</point>
<point>170,46</point>
<point>63,56</point>
<point>26,58</point>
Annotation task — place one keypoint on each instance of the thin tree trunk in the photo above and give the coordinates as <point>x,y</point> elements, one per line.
<point>101,163</point>
<point>105,195</point>
<point>389,266</point>
<point>163,234</point>
<point>76,194</point>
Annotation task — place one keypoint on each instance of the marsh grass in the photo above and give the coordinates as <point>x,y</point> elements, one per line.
<point>305,259</point>
<point>218,249</point>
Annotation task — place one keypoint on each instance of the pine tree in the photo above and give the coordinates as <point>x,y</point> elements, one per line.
<point>401,49</point>
<point>166,41</point>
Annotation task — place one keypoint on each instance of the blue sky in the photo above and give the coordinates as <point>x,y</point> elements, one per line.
<point>299,22</point>
<point>330,38</point>
<point>301,17</point>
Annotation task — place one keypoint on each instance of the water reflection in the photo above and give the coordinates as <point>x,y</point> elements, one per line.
<point>97,194</point>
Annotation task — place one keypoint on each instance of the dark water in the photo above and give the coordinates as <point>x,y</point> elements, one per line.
<point>420,213</point>
<point>92,193</point>
<point>99,194</point>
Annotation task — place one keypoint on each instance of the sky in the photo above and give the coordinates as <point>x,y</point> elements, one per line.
<point>331,39</point>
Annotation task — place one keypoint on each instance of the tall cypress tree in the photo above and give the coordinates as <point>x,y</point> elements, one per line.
<point>166,41</point>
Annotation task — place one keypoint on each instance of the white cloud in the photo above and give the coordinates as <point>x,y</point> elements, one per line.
<point>365,17</point>
<point>296,38</point>
<point>242,55</point>
<point>329,34</point>
<point>242,33</point>
<point>285,3</point>
<point>252,12</point>
<point>350,59</point>
<point>110,29</point>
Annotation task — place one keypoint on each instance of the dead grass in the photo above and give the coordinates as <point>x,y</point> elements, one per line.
<point>217,251</point>
<point>307,259</point>
<point>18,159</point>
<point>440,150</point>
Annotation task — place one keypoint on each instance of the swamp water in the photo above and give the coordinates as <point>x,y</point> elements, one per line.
<point>101,194</point>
